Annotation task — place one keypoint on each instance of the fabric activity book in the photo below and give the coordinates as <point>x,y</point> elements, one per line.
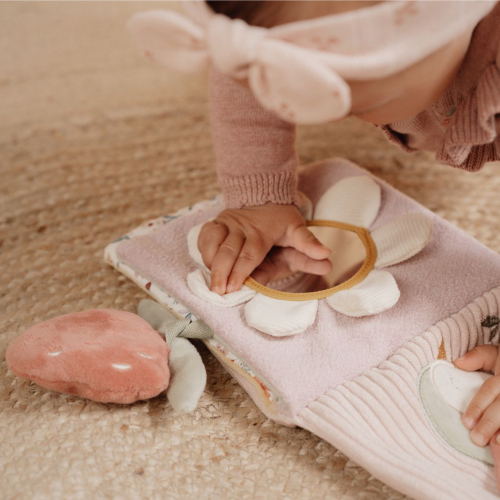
<point>361,357</point>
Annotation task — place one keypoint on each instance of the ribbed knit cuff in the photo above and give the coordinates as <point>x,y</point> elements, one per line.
<point>258,189</point>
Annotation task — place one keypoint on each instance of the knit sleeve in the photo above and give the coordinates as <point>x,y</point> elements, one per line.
<point>463,125</point>
<point>473,137</point>
<point>254,149</point>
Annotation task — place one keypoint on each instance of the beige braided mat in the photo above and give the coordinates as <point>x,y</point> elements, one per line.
<point>93,141</point>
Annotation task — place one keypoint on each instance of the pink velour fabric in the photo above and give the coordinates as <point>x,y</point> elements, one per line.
<point>101,354</point>
<point>447,275</point>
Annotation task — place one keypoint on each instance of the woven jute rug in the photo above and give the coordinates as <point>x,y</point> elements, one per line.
<point>93,141</point>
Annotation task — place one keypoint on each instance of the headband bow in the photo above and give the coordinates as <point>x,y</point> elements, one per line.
<point>277,71</point>
<point>296,70</point>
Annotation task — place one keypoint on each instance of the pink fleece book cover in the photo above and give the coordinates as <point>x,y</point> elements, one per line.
<point>368,367</point>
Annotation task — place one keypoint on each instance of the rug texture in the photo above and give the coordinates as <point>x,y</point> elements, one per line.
<point>93,141</point>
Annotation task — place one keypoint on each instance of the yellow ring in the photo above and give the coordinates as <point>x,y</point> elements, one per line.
<point>369,263</point>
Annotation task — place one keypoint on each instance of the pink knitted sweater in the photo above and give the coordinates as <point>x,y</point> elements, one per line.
<point>255,152</point>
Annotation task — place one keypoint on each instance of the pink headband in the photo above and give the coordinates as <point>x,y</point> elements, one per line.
<point>297,70</point>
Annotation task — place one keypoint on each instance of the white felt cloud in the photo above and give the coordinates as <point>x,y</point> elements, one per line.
<point>457,387</point>
<point>445,392</point>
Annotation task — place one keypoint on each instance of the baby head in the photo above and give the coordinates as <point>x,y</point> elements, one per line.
<point>382,100</point>
<point>313,62</point>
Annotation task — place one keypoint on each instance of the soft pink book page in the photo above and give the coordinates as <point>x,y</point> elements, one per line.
<point>448,274</point>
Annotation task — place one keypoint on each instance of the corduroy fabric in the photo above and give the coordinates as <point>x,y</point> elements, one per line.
<point>376,293</point>
<point>401,238</point>
<point>378,419</point>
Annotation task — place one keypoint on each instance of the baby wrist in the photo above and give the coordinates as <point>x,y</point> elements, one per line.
<point>278,187</point>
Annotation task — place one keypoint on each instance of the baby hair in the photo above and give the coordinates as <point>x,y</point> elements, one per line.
<point>271,13</point>
<point>256,13</point>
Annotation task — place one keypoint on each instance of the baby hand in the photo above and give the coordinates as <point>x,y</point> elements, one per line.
<point>237,241</point>
<point>482,416</point>
<point>280,263</point>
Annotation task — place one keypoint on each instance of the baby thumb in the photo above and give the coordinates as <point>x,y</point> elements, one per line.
<point>304,241</point>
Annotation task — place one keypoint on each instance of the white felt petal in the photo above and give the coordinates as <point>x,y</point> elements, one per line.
<point>401,238</point>
<point>457,387</point>
<point>352,200</point>
<point>192,242</point>
<point>376,293</point>
<point>188,376</point>
<point>280,318</point>
<point>199,283</point>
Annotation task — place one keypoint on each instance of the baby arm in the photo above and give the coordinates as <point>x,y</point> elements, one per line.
<point>256,165</point>
<point>482,416</point>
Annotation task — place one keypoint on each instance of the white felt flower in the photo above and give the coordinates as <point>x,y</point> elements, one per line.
<point>352,203</point>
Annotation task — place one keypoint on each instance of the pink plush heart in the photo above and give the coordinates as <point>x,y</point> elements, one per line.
<point>101,354</point>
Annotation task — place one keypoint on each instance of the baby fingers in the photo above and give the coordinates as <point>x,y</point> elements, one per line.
<point>211,237</point>
<point>483,357</point>
<point>252,254</point>
<point>488,424</point>
<point>282,262</point>
<point>483,413</point>
<point>224,260</point>
<point>304,241</point>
